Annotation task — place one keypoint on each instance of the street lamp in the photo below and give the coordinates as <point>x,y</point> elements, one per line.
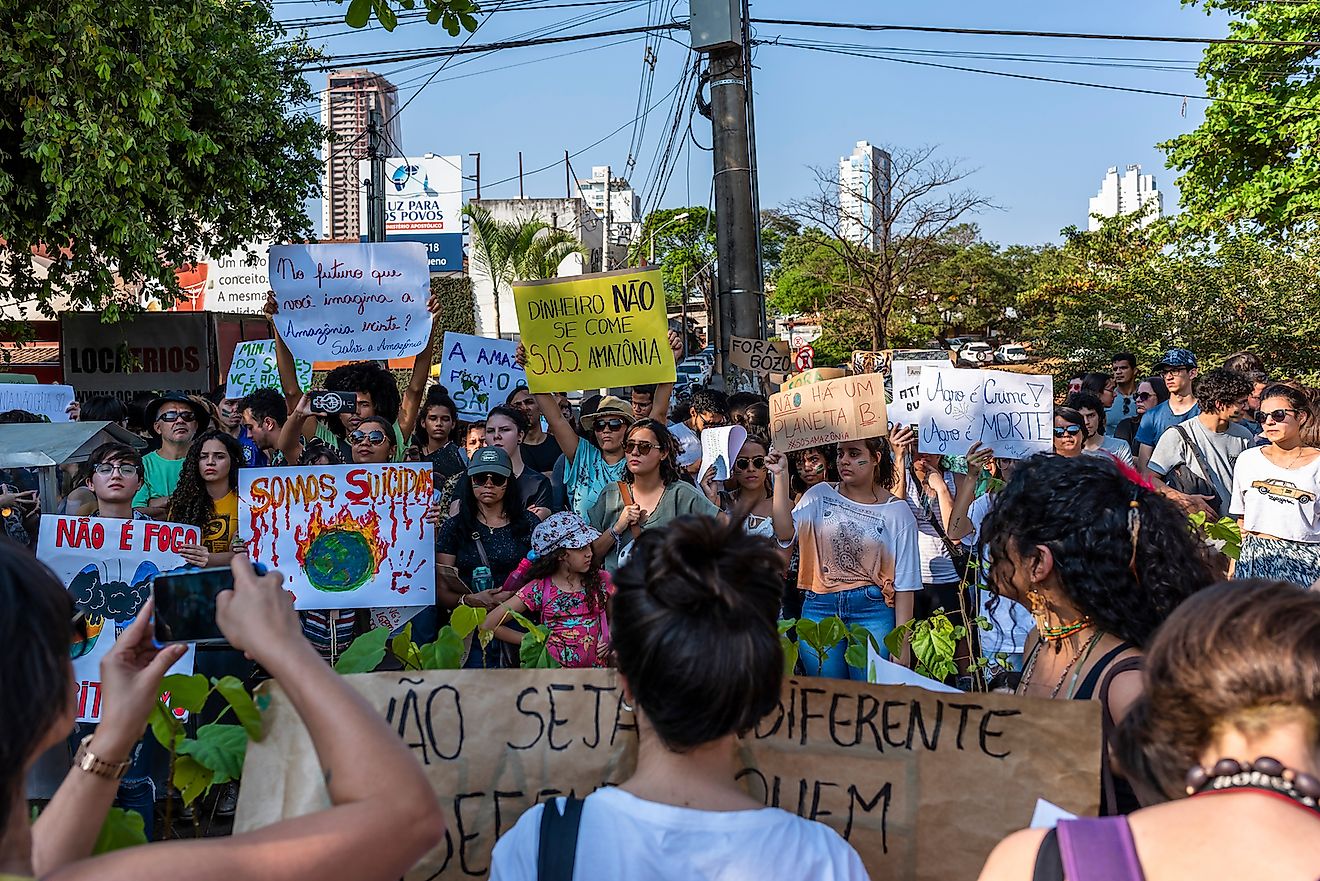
<point>675,219</point>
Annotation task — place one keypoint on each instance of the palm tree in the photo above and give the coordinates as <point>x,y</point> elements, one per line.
<point>519,250</point>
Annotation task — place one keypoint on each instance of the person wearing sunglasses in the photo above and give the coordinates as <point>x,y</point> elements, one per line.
<point>651,493</point>
<point>506,428</point>
<point>748,491</point>
<point>175,419</point>
<point>1150,393</point>
<point>1178,369</point>
<point>1070,432</point>
<point>372,442</point>
<point>1276,493</point>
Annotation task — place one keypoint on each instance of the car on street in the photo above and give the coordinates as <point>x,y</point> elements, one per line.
<point>1011,354</point>
<point>975,354</point>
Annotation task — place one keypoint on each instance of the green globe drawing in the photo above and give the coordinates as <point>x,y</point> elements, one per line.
<point>339,560</point>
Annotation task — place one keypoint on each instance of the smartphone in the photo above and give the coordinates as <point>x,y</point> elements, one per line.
<point>185,605</point>
<point>327,403</point>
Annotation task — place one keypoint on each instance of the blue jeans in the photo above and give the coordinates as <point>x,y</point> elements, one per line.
<point>860,605</point>
<point>137,788</point>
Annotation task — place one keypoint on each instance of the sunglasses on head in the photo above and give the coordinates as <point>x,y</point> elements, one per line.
<point>375,438</point>
<point>1280,415</point>
<point>641,448</point>
<point>609,424</point>
<point>742,463</point>
<point>177,416</point>
<point>489,479</point>
<point>1068,430</point>
<point>105,469</point>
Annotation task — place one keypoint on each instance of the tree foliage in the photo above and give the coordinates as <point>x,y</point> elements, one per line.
<point>1255,159</point>
<point>458,310</point>
<point>517,250</point>
<point>455,16</point>
<point>137,136</point>
<point>684,249</point>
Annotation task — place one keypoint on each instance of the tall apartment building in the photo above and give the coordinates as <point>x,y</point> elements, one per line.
<point>625,204</point>
<point>865,181</point>
<point>1126,194</point>
<point>351,95</point>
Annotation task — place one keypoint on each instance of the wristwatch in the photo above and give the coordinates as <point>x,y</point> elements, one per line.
<point>86,760</point>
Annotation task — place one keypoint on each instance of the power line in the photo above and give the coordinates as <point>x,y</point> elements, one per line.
<point>513,6</point>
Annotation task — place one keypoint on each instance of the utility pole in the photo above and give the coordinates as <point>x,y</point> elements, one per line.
<point>717,29</point>
<point>376,183</point>
<point>478,177</point>
<point>609,218</point>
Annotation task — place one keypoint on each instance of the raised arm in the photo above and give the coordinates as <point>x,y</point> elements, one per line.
<point>902,442</point>
<point>781,510</point>
<point>958,525</point>
<point>411,403</point>
<point>283,357</point>
<point>295,428</point>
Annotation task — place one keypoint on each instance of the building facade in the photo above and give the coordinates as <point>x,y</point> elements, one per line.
<point>625,209</point>
<point>865,180</point>
<point>1129,193</point>
<point>351,95</point>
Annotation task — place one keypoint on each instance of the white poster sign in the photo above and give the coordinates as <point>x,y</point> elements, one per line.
<point>719,447</point>
<point>344,536</point>
<point>906,379</point>
<point>479,372</point>
<point>107,565</point>
<point>253,367</point>
<point>51,401</point>
<point>346,302</point>
<point>238,281</point>
<point>1011,413</point>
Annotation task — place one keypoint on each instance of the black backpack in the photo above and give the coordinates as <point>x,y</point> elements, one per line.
<point>557,851</point>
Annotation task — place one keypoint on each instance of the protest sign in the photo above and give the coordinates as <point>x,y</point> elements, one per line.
<point>899,772</point>
<point>831,412</point>
<point>107,565</point>
<point>905,375</point>
<point>719,447</point>
<point>345,536</point>
<point>1011,413</point>
<point>51,401</point>
<point>595,331</point>
<point>882,671</point>
<point>478,372</point>
<point>348,302</point>
<point>760,356</point>
<point>253,366</point>
<point>871,362</point>
<point>816,374</point>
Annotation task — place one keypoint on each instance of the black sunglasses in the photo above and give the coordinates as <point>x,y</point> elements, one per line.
<point>609,424</point>
<point>489,478</point>
<point>742,463</point>
<point>375,438</point>
<point>1143,396</point>
<point>641,448</point>
<point>178,416</point>
<point>1066,430</point>
<point>1280,415</point>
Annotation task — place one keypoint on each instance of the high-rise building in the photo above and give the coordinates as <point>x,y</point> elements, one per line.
<point>1127,194</point>
<point>351,95</point>
<point>865,180</point>
<point>625,208</point>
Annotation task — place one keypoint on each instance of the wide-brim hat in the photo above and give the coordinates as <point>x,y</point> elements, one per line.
<point>490,460</point>
<point>562,530</point>
<point>203,414</point>
<point>610,406</point>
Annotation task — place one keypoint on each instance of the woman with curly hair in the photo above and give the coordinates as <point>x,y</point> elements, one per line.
<point>559,581</point>
<point>650,495</point>
<point>207,496</point>
<point>1100,560</point>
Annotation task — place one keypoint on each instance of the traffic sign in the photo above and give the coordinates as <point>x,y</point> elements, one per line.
<point>805,358</point>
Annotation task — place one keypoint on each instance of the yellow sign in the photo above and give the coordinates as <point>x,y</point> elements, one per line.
<point>595,331</point>
<point>816,374</point>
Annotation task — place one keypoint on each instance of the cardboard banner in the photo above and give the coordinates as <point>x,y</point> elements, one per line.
<point>923,785</point>
<point>595,331</point>
<point>51,401</point>
<point>344,536</point>
<point>107,565</point>
<point>831,412</point>
<point>253,367</point>
<point>816,374</point>
<point>764,357</point>
<point>352,302</point>
<point>871,362</point>
<point>479,372</point>
<point>905,376</point>
<point>1011,413</point>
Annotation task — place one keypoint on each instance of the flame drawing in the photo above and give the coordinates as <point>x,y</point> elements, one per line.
<point>342,553</point>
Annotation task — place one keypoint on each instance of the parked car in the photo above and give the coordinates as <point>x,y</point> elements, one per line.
<point>975,354</point>
<point>953,344</point>
<point>692,373</point>
<point>1011,354</point>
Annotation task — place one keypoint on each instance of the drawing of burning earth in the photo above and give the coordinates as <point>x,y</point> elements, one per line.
<point>340,554</point>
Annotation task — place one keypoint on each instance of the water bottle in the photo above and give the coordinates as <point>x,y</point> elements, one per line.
<point>482,579</point>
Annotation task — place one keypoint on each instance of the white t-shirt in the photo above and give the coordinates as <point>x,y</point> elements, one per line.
<point>1010,622</point>
<point>623,836</point>
<point>1276,501</point>
<point>844,544</point>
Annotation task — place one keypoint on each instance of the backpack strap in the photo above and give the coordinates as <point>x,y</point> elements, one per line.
<point>557,850</point>
<point>1107,726</point>
<point>1049,863</point>
<point>625,494</point>
<point>1099,849</point>
<point>1200,458</point>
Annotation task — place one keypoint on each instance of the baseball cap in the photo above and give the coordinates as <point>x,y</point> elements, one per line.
<point>609,407</point>
<point>562,530</point>
<point>1177,359</point>
<point>490,460</point>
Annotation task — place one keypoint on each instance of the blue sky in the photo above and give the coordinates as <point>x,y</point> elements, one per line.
<point>1039,149</point>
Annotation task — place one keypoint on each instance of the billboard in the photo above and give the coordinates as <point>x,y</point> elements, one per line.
<point>423,203</point>
<point>233,282</point>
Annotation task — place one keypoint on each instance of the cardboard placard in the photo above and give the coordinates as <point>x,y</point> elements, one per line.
<point>479,372</point>
<point>831,412</point>
<point>815,374</point>
<point>107,564</point>
<point>899,772</point>
<point>595,331</point>
<point>871,362</point>
<point>51,401</point>
<point>352,302</point>
<point>344,536</point>
<point>253,367</point>
<point>1011,413</point>
<point>765,357</point>
<point>905,376</point>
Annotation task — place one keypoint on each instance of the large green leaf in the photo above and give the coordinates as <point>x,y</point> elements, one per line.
<point>220,747</point>
<point>359,13</point>
<point>232,690</point>
<point>121,829</point>
<point>186,692</point>
<point>405,650</point>
<point>446,653</point>
<point>167,730</point>
<point>191,778</point>
<point>466,619</point>
<point>366,652</point>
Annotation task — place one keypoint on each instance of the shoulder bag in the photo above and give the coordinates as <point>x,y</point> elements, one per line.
<point>1182,478</point>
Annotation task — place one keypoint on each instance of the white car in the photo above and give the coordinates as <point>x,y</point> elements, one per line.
<point>976,354</point>
<point>690,373</point>
<point>1011,354</point>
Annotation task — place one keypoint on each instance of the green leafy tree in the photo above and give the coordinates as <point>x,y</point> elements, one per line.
<point>1255,159</point>
<point>138,136</point>
<point>455,16</point>
<point>973,286</point>
<point>685,250</point>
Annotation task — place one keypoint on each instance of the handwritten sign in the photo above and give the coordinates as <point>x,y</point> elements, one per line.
<point>107,565</point>
<point>849,408</point>
<point>905,377</point>
<point>719,449</point>
<point>595,331</point>
<point>345,302</point>
<point>479,372</point>
<point>253,367</point>
<point>51,401</point>
<point>816,374</point>
<point>882,765</point>
<point>345,536</point>
<point>1012,413</point>
<point>760,356</point>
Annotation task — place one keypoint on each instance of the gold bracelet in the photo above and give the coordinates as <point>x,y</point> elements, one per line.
<point>88,761</point>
